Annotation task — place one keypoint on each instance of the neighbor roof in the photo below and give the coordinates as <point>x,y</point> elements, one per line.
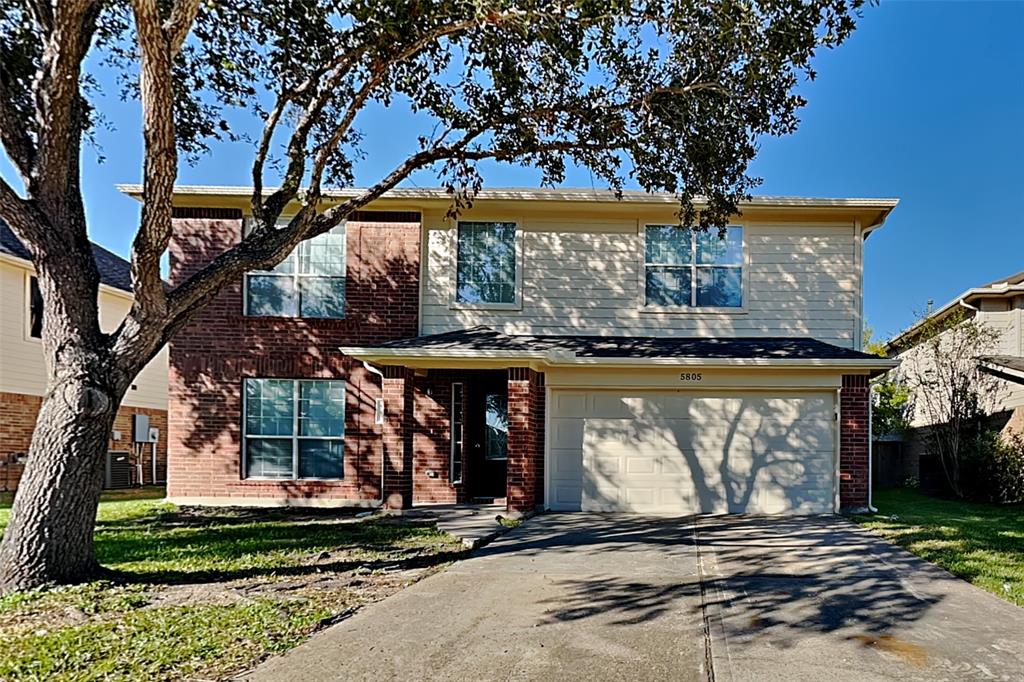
<point>1013,284</point>
<point>114,271</point>
<point>1006,366</point>
<point>488,343</point>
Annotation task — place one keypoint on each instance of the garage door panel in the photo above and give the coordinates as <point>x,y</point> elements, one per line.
<point>692,453</point>
<point>566,432</point>
<point>641,465</point>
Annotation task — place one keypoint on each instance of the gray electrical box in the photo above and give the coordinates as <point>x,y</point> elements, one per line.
<point>140,428</point>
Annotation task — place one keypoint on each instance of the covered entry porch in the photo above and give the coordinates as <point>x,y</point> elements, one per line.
<point>458,435</point>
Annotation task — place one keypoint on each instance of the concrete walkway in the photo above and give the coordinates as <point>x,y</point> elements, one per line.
<point>615,597</point>
<point>474,524</point>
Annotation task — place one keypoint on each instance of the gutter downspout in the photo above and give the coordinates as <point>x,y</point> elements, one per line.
<point>968,305</point>
<point>383,460</point>
<point>838,445</point>
<point>871,448</point>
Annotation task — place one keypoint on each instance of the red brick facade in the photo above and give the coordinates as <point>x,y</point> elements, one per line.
<point>432,446</point>
<point>525,439</point>
<point>211,357</point>
<point>18,418</point>
<point>853,442</point>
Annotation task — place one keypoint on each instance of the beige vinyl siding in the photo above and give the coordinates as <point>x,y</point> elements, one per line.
<point>22,368</point>
<point>584,276</point>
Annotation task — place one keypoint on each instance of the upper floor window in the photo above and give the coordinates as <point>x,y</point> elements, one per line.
<point>310,282</point>
<point>486,263</point>
<point>294,428</point>
<point>35,309</point>
<point>693,269</point>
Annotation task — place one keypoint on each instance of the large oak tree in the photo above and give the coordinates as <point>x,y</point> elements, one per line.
<point>672,94</point>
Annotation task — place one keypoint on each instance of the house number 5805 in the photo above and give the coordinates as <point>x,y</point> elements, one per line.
<point>691,376</point>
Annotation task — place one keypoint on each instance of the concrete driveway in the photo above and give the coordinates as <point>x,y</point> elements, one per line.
<point>618,597</point>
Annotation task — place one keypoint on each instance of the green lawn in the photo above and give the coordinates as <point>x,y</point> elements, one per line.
<point>981,543</point>
<point>206,594</point>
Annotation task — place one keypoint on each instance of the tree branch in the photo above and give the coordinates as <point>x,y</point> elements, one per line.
<point>14,135</point>
<point>380,72</point>
<point>179,23</point>
<point>158,43</point>
<point>59,107</point>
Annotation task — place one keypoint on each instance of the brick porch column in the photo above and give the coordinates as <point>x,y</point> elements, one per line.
<point>853,442</point>
<point>397,437</point>
<point>525,439</point>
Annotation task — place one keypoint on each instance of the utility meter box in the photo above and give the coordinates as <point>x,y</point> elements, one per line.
<point>140,428</point>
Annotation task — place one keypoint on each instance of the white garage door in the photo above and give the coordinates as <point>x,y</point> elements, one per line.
<point>686,453</point>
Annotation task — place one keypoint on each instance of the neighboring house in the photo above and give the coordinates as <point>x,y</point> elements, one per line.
<point>555,349</point>
<point>23,370</point>
<point>1000,306</point>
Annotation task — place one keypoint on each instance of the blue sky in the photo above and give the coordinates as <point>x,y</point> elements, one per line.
<point>925,102</point>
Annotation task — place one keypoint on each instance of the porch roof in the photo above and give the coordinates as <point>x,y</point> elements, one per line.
<point>483,344</point>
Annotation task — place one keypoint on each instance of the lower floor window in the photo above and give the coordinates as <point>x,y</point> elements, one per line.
<point>294,428</point>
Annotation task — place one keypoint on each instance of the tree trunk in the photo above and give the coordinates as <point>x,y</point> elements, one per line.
<point>49,537</point>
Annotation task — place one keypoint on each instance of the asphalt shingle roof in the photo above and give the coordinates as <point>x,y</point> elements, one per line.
<point>487,339</point>
<point>114,270</point>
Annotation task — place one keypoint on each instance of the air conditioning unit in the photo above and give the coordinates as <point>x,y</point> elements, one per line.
<point>118,470</point>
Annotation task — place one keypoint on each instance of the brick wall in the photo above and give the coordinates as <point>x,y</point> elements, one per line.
<point>853,442</point>
<point>432,441</point>
<point>399,429</point>
<point>18,418</point>
<point>211,357</point>
<point>525,439</point>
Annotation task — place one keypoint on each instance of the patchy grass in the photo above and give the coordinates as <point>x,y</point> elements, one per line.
<point>510,523</point>
<point>981,543</point>
<point>208,593</point>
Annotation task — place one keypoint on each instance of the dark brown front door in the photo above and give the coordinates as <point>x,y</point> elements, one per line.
<point>487,437</point>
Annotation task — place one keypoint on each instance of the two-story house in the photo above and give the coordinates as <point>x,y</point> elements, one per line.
<point>133,457</point>
<point>559,349</point>
<point>999,306</point>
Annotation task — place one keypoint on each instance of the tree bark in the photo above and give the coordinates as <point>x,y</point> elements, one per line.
<point>50,536</point>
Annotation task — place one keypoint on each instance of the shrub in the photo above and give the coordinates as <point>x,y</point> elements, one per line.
<point>1004,469</point>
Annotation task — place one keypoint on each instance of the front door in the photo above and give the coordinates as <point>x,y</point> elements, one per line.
<point>488,437</point>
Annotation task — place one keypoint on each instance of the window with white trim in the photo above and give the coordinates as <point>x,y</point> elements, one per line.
<point>687,268</point>
<point>486,263</point>
<point>310,282</point>
<point>294,429</point>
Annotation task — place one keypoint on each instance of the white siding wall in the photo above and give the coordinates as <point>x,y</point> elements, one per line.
<point>22,369</point>
<point>585,277</point>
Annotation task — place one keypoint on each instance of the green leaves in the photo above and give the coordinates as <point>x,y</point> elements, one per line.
<point>672,94</point>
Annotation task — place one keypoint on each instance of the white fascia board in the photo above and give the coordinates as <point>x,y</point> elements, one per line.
<point>538,194</point>
<point>881,363</point>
